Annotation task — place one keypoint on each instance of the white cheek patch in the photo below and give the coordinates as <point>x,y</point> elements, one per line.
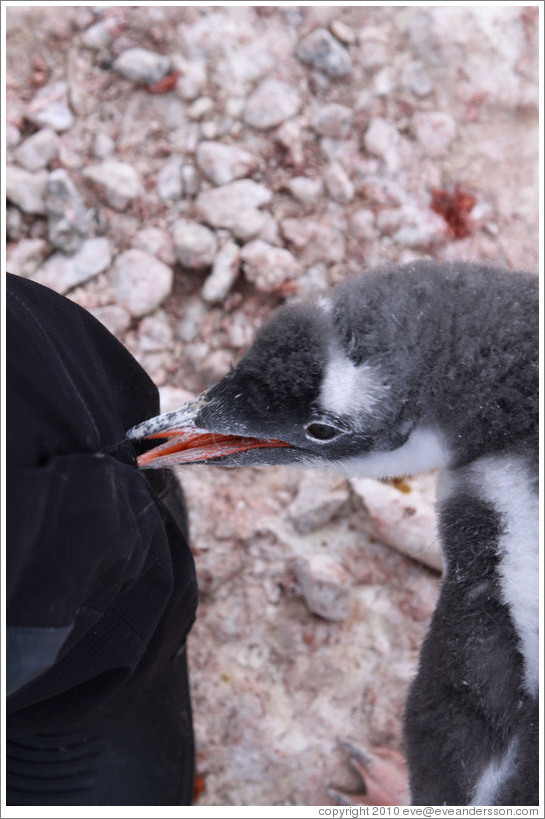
<point>505,483</point>
<point>350,390</point>
<point>423,451</point>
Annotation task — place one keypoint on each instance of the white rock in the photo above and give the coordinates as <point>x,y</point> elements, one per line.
<point>435,130</point>
<point>190,180</point>
<point>223,275</point>
<point>26,256</point>
<point>223,163</point>
<point>67,216</point>
<point>169,180</point>
<point>26,189</point>
<point>13,135</point>
<point>192,79</point>
<point>333,120</point>
<point>188,326</point>
<point>268,267</point>
<point>272,102</point>
<point>158,242</point>
<point>320,497</point>
<point>61,272</point>
<point>235,207</point>
<point>142,65</point>
<point>49,108</point>
<point>155,333</point>
<point>382,139</point>
<point>38,150</point>
<point>141,281</point>
<point>321,50</point>
<point>195,245</point>
<point>201,106</point>
<point>325,586</point>
<point>318,241</point>
<point>14,224</point>
<point>373,54</point>
<point>415,78</point>
<point>118,181</point>
<point>305,189</point>
<point>338,183</point>
<point>290,137</point>
<point>342,32</point>
<point>114,317</point>
<point>103,146</point>
<point>362,224</point>
<point>97,36</point>
<point>404,520</point>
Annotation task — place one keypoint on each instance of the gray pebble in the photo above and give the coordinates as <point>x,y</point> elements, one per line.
<point>66,213</point>
<point>321,50</point>
<point>142,65</point>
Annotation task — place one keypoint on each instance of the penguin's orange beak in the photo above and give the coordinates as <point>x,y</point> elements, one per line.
<point>191,445</point>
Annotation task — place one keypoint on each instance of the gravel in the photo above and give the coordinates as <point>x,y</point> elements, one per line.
<point>229,159</point>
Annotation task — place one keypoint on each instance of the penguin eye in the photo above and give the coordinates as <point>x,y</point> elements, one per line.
<point>322,432</point>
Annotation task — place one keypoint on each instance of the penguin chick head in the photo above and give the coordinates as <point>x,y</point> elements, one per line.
<point>304,393</point>
<point>395,372</point>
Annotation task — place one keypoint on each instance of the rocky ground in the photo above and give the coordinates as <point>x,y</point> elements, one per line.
<point>181,171</point>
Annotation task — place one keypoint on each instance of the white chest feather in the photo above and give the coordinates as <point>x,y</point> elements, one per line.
<point>505,483</point>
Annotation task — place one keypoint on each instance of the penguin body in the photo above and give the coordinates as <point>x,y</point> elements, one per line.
<point>414,368</point>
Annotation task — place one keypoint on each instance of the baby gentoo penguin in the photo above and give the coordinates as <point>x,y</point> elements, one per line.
<point>426,366</point>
